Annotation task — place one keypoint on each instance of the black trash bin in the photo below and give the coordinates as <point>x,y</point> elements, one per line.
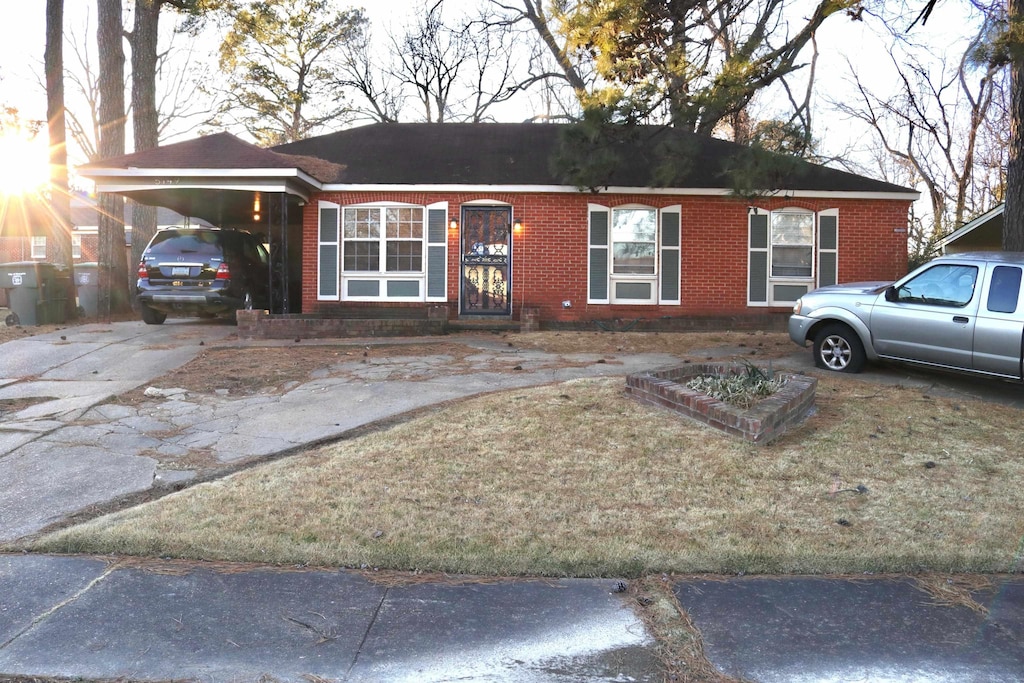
<point>36,292</point>
<point>87,282</point>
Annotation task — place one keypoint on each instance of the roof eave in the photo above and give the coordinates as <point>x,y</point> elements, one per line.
<point>654,191</point>
<point>289,180</point>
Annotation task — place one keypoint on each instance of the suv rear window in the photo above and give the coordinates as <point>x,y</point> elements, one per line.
<point>173,243</point>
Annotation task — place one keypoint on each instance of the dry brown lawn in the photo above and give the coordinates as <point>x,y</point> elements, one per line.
<point>577,479</point>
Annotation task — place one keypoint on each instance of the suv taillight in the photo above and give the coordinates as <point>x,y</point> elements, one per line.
<point>143,271</point>
<point>223,272</point>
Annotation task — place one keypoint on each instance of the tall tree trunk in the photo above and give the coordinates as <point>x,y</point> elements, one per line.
<point>60,200</point>
<point>113,275</point>
<point>1013,215</point>
<point>143,40</point>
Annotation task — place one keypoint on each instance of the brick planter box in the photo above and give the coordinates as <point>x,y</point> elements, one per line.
<point>760,424</point>
<point>262,325</point>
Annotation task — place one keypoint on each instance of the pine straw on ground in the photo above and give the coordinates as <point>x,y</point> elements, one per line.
<point>577,479</point>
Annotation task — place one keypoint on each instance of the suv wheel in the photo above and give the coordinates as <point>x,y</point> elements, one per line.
<point>837,347</point>
<point>151,317</point>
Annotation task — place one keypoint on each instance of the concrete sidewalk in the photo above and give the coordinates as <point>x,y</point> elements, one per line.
<point>81,618</point>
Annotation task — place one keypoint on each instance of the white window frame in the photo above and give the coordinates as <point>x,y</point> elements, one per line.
<point>383,277</point>
<point>625,279</point>
<point>804,283</point>
<point>76,245</point>
<point>772,245</point>
<point>38,248</point>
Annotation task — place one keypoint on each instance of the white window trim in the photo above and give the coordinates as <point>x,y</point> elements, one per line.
<point>319,251</point>
<point>817,254</point>
<point>592,209</point>
<point>809,282</point>
<point>382,276</point>
<point>76,245</point>
<point>38,245</point>
<point>437,206</point>
<point>653,279</point>
<point>677,210</point>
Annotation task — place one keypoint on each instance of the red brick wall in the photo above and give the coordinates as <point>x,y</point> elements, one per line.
<point>13,249</point>
<point>549,256</point>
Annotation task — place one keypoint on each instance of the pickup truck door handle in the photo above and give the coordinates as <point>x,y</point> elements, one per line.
<point>961,319</point>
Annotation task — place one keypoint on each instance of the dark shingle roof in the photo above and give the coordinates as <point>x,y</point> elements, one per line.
<point>220,151</point>
<point>520,153</point>
<point>483,154</point>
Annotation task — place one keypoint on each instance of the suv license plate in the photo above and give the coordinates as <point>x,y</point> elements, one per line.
<point>178,271</point>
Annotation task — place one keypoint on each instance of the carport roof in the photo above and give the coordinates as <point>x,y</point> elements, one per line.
<point>219,151</point>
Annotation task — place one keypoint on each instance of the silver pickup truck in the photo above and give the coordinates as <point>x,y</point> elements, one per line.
<point>961,312</point>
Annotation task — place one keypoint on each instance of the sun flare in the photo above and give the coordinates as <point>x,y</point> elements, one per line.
<point>24,163</point>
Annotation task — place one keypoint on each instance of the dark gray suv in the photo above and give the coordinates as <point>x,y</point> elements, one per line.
<point>203,272</point>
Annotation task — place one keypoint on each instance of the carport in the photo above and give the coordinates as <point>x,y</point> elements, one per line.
<point>231,184</point>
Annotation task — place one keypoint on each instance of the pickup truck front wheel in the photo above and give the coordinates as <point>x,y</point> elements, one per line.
<point>837,347</point>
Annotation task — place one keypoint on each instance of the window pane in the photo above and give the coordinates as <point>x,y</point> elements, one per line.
<point>792,228</point>
<point>635,225</point>
<point>791,261</point>
<point>406,223</point>
<point>1005,289</point>
<point>941,285</point>
<point>362,223</point>
<point>634,235</point>
<point>792,245</point>
<point>405,256</point>
<point>634,258</point>
<point>361,256</point>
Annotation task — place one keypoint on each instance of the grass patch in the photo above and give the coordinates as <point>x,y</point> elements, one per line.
<point>577,479</point>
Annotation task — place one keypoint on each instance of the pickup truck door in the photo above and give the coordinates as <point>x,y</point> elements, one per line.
<point>1000,327</point>
<point>930,318</point>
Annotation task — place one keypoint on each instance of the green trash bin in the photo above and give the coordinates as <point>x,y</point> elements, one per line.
<point>87,284</point>
<point>36,292</point>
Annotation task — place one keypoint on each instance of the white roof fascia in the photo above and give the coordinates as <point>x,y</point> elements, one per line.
<point>566,189</point>
<point>118,185</point>
<point>134,171</point>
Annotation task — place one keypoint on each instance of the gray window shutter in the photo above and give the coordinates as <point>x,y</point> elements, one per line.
<point>437,254</point>
<point>757,274</point>
<point>670,248</point>
<point>327,266</point>
<point>599,265</point>
<point>828,248</point>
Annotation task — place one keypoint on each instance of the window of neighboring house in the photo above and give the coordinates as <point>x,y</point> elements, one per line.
<point>396,232</point>
<point>76,246</point>
<point>38,246</point>
<point>634,241</point>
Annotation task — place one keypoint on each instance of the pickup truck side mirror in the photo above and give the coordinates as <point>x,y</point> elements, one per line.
<point>891,294</point>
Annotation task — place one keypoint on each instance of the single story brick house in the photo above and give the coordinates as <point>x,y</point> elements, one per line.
<point>474,218</point>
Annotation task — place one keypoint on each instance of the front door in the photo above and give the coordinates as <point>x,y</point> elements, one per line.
<point>486,246</point>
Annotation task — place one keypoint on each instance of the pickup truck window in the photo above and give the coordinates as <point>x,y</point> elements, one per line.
<point>943,285</point>
<point>1005,289</point>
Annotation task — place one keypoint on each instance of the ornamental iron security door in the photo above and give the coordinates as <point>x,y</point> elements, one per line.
<point>486,245</point>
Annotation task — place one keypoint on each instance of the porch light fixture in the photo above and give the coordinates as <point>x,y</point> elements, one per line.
<point>517,227</point>
<point>454,225</point>
<point>256,207</point>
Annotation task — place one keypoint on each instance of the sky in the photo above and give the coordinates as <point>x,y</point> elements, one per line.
<point>22,37</point>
